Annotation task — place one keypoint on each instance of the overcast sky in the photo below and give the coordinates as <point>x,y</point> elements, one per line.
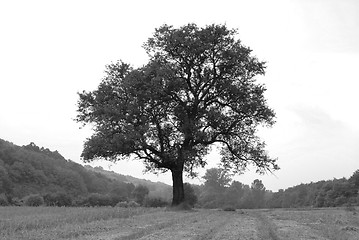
<point>50,50</point>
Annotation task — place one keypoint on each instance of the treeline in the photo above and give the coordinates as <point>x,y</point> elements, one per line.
<point>219,191</point>
<point>31,172</point>
<point>330,193</point>
<point>30,175</point>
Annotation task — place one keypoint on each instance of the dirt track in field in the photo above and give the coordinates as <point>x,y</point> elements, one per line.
<point>196,225</point>
<point>244,225</point>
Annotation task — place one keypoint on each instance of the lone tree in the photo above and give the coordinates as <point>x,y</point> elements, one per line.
<point>198,89</point>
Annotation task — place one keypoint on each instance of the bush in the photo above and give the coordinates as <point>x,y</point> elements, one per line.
<point>58,199</point>
<point>17,202</point>
<point>133,204</point>
<point>33,200</point>
<point>96,199</point>
<point>3,200</point>
<point>114,199</point>
<point>80,201</point>
<point>154,202</point>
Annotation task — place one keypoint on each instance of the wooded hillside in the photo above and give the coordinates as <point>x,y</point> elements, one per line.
<point>29,170</point>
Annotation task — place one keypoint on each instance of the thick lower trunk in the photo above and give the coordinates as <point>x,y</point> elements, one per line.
<point>178,192</point>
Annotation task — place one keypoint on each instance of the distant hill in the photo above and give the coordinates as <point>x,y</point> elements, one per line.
<point>31,169</point>
<point>157,189</point>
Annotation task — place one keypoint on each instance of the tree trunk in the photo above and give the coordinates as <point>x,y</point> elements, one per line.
<point>178,192</point>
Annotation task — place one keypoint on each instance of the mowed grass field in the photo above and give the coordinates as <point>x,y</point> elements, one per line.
<point>45,223</point>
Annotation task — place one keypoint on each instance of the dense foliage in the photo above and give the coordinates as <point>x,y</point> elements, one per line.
<point>30,171</point>
<point>330,193</point>
<point>199,88</point>
<point>219,191</point>
<point>33,200</point>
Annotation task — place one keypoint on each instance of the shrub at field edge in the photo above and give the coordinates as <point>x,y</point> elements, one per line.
<point>34,200</point>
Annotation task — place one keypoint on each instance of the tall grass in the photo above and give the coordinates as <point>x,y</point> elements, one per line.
<point>19,221</point>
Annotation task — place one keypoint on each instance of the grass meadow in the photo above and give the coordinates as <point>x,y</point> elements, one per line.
<point>114,223</point>
<point>60,222</point>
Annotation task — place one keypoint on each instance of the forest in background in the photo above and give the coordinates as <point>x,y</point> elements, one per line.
<point>31,171</point>
<point>220,191</point>
<point>30,175</point>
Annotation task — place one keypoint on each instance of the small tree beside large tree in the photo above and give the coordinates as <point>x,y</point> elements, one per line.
<point>198,89</point>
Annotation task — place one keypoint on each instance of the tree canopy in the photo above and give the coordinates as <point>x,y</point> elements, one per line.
<point>198,89</point>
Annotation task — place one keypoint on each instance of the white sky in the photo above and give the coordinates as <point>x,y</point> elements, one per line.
<point>50,50</point>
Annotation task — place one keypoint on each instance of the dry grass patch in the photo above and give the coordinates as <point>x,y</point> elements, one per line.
<point>59,223</point>
<point>333,224</point>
